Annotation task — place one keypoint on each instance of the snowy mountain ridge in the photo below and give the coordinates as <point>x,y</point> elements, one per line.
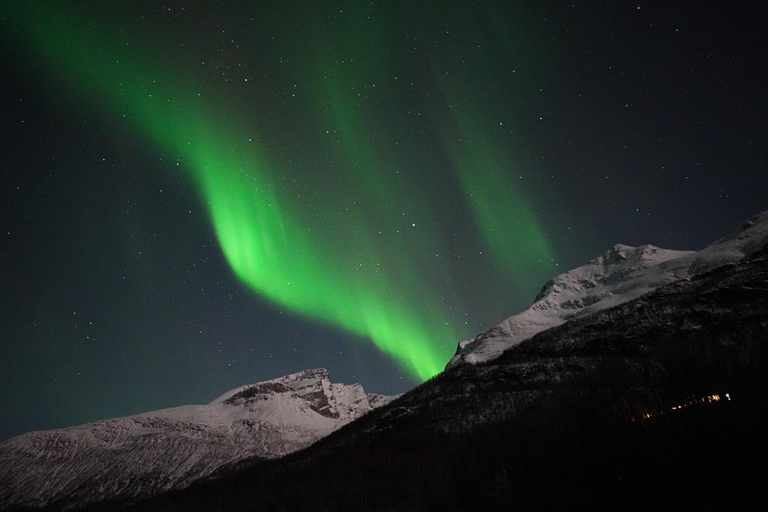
<point>140,455</point>
<point>619,275</point>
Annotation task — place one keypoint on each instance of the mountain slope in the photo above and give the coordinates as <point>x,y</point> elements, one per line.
<point>584,414</point>
<point>150,452</point>
<point>620,275</point>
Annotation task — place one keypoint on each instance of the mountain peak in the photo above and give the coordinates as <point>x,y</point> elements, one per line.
<point>620,274</point>
<point>291,382</point>
<point>621,263</point>
<point>311,388</point>
<point>645,254</point>
<point>754,229</point>
<point>160,450</point>
<point>758,221</point>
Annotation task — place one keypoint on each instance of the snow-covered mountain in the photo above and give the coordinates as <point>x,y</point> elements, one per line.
<point>140,455</point>
<point>621,274</point>
<point>658,400</point>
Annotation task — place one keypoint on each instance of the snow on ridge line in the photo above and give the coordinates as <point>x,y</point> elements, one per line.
<point>317,373</point>
<point>301,398</point>
<point>620,274</point>
<point>140,455</point>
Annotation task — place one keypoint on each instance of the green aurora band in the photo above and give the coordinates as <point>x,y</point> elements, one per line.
<point>279,234</point>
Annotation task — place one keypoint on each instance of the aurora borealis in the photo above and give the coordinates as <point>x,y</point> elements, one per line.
<point>368,282</point>
<point>397,176</point>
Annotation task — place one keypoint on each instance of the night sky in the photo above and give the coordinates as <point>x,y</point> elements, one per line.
<point>200,195</point>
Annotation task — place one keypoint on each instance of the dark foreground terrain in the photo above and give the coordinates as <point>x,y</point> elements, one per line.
<point>655,404</point>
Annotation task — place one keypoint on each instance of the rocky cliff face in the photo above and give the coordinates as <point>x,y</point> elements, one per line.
<point>137,456</point>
